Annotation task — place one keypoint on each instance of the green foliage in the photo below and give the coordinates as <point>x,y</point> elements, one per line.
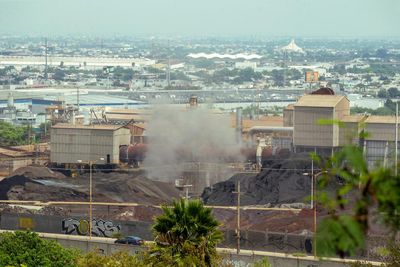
<point>382,93</point>
<point>27,248</point>
<point>59,75</point>
<point>361,264</point>
<point>187,231</point>
<point>341,233</point>
<point>393,257</point>
<point>264,262</point>
<point>237,76</point>
<point>124,74</point>
<point>393,92</point>
<point>389,108</point>
<point>154,70</point>
<point>203,63</point>
<point>160,256</point>
<point>119,259</point>
<point>348,236</point>
<point>179,75</point>
<point>12,135</point>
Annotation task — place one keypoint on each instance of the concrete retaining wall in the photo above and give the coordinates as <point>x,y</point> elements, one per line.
<point>106,246</point>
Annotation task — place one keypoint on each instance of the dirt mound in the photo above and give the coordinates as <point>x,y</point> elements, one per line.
<point>37,172</point>
<point>133,187</point>
<point>20,187</point>
<point>8,184</point>
<point>280,181</point>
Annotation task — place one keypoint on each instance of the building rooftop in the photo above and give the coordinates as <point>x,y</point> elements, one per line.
<point>319,100</point>
<point>108,127</point>
<point>353,118</point>
<point>127,117</point>
<point>262,121</point>
<point>126,111</point>
<point>381,119</point>
<point>5,152</point>
<point>289,107</point>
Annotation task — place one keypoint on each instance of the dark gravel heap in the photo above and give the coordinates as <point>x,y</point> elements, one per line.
<point>282,180</point>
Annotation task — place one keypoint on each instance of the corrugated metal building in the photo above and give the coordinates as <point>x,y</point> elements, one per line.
<point>70,143</point>
<point>313,121</point>
<point>379,145</point>
<point>288,115</point>
<point>350,129</point>
<point>340,128</point>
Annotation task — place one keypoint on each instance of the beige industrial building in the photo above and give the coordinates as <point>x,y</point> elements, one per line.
<point>323,123</point>
<point>314,119</point>
<point>70,143</point>
<point>379,144</point>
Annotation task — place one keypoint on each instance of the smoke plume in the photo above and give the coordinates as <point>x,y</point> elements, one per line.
<point>187,136</point>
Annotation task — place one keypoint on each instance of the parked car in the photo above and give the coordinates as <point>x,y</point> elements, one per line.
<point>130,240</point>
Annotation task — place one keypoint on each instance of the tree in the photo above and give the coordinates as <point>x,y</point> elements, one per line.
<point>27,248</point>
<point>59,75</point>
<point>203,63</point>
<point>188,232</point>
<point>382,53</point>
<point>346,228</point>
<point>393,92</point>
<point>278,77</point>
<point>382,93</point>
<point>12,135</point>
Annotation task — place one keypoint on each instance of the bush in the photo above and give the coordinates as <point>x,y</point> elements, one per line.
<point>27,248</point>
<point>119,259</point>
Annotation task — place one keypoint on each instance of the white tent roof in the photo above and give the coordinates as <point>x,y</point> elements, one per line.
<point>292,47</point>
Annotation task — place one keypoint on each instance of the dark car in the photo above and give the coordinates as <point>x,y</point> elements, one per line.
<point>130,240</point>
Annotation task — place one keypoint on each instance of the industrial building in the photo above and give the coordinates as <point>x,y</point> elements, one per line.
<point>323,123</point>
<point>313,121</point>
<point>379,144</point>
<point>70,143</point>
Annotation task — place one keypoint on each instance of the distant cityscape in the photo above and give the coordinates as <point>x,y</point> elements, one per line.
<point>133,71</point>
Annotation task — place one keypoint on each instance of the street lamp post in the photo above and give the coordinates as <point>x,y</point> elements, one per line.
<point>314,177</point>
<point>238,193</point>
<point>90,162</point>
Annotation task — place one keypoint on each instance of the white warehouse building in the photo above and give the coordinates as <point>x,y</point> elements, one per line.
<point>72,143</point>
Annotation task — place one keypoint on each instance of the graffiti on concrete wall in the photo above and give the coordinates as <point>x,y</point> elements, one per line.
<point>81,227</point>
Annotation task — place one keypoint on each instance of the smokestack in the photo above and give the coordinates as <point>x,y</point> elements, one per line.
<point>239,126</point>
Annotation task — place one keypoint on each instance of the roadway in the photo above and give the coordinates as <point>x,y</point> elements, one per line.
<point>86,243</point>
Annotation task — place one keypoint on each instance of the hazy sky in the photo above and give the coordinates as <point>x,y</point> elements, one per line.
<point>303,18</point>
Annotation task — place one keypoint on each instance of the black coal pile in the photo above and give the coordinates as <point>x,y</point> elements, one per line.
<point>280,181</point>
<point>38,172</point>
<point>19,187</point>
<point>7,184</point>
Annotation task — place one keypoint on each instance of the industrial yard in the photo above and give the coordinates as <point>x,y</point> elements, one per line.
<point>121,164</point>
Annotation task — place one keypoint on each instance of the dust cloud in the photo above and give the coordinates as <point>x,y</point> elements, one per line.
<point>179,136</point>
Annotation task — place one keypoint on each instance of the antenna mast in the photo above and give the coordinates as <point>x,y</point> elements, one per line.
<point>45,67</point>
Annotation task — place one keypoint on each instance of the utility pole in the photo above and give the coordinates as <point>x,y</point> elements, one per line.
<point>77,99</point>
<point>238,193</point>
<point>45,67</point>
<point>90,198</point>
<point>312,182</point>
<point>396,138</point>
<point>169,67</point>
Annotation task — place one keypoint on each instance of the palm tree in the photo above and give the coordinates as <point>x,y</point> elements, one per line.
<point>188,229</point>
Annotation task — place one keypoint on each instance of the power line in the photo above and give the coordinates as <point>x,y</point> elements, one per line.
<point>145,169</point>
